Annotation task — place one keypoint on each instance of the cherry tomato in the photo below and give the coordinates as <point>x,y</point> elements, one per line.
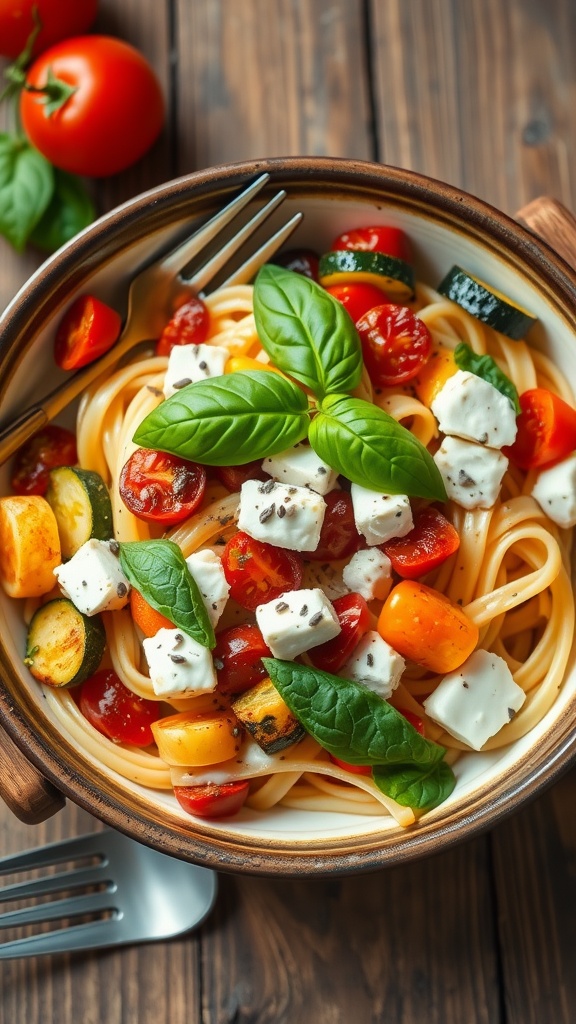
<point>212,800</point>
<point>112,109</point>
<point>355,620</point>
<point>430,542</point>
<point>546,430</point>
<point>115,711</point>
<point>414,720</point>
<point>59,19</point>
<point>356,769</point>
<point>357,299</point>
<point>51,447</point>
<point>161,488</point>
<point>339,537</point>
<point>87,330</point>
<point>234,476</point>
<point>380,238</point>
<point>188,326</point>
<point>395,342</point>
<point>238,658</point>
<point>301,261</point>
<point>259,572</point>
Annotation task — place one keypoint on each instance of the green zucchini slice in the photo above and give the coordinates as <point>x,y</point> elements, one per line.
<point>64,647</point>
<point>345,266</point>
<point>486,304</point>
<point>81,503</point>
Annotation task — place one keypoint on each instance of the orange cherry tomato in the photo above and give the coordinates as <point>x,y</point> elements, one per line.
<point>212,800</point>
<point>424,626</point>
<point>188,326</point>
<point>430,542</point>
<point>546,430</point>
<point>51,447</point>
<point>87,330</point>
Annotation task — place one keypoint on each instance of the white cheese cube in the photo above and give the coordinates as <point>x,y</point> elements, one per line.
<point>206,569</point>
<point>188,364</point>
<point>178,665</point>
<point>378,516</point>
<point>297,621</point>
<point>555,492</point>
<point>475,701</point>
<point>301,466</point>
<point>368,573</point>
<point>375,664</point>
<point>470,407</point>
<point>281,514</point>
<point>472,474</point>
<point>93,579</point>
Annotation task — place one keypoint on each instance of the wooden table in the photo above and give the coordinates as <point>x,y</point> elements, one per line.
<point>482,95</point>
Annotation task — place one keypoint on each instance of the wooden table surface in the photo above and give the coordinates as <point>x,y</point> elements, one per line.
<point>482,95</point>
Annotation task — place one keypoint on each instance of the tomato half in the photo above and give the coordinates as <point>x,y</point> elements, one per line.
<point>546,430</point>
<point>115,711</point>
<point>59,19</point>
<point>355,769</point>
<point>357,299</point>
<point>112,108</point>
<point>430,542</point>
<point>395,343</point>
<point>234,476</point>
<point>87,330</point>
<point>188,326</point>
<point>238,658</point>
<point>339,537</point>
<point>51,447</point>
<point>380,238</point>
<point>259,572</point>
<point>415,721</point>
<point>355,620</point>
<point>213,800</point>
<point>161,488</point>
<point>301,261</point>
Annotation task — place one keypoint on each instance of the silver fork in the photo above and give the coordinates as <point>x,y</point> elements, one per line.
<point>151,295</point>
<point>137,895</point>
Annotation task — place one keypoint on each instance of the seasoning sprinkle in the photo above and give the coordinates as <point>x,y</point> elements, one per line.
<point>267,486</point>
<point>266,513</point>
<point>370,659</point>
<point>178,384</point>
<point>281,512</point>
<point>114,547</point>
<point>304,609</point>
<point>282,606</point>
<point>121,590</point>
<point>316,618</point>
<point>178,659</point>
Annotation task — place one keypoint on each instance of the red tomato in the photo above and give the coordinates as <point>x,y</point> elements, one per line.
<point>379,238</point>
<point>161,488</point>
<point>258,572</point>
<point>115,711</point>
<point>430,542</point>
<point>188,326</point>
<point>111,113</point>
<point>51,447</point>
<point>301,261</point>
<point>59,19</point>
<point>395,342</point>
<point>414,720</point>
<point>234,476</point>
<point>238,658</point>
<point>355,620</point>
<point>357,299</point>
<point>213,800</point>
<point>86,331</point>
<point>356,769</point>
<point>339,537</point>
<point>546,430</point>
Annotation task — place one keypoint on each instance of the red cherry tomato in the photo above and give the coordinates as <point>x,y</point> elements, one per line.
<point>301,261</point>
<point>430,542</point>
<point>161,488</point>
<point>380,238</point>
<point>357,299</point>
<point>395,342</point>
<point>339,537</point>
<point>238,658</point>
<point>258,572</point>
<point>414,720</point>
<point>87,330</point>
<point>212,800</point>
<point>59,19</point>
<point>188,326</point>
<point>51,447</point>
<point>546,430</point>
<point>234,476</point>
<point>115,711</point>
<point>356,769</point>
<point>355,619</point>
<point>112,111</point>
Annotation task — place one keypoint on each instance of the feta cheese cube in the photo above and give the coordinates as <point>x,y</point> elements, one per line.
<point>368,573</point>
<point>475,701</point>
<point>178,665</point>
<point>206,569</point>
<point>555,491</point>
<point>472,474</point>
<point>297,621</point>
<point>380,516</point>
<point>93,579</point>
<point>375,664</point>
<point>281,514</point>
<point>470,407</point>
<point>188,364</point>
<point>301,466</point>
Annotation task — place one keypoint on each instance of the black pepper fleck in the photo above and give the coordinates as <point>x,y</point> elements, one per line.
<point>316,618</point>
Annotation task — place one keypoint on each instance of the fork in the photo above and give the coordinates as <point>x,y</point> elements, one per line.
<point>137,895</point>
<point>151,295</point>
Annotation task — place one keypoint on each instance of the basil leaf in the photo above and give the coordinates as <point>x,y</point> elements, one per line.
<point>157,569</point>
<point>369,447</point>
<point>419,788</point>
<point>487,368</point>
<point>69,211</point>
<point>26,187</point>
<point>230,419</point>
<point>306,332</point>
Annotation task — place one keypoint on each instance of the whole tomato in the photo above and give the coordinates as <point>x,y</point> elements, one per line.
<point>95,105</point>
<point>59,19</point>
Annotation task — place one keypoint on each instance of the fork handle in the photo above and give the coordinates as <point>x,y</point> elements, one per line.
<point>24,790</point>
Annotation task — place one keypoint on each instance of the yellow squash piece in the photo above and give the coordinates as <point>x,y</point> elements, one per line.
<point>29,546</point>
<point>267,718</point>
<point>196,740</point>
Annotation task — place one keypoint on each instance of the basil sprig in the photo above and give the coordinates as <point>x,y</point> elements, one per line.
<point>157,568</point>
<point>356,725</point>
<point>487,368</point>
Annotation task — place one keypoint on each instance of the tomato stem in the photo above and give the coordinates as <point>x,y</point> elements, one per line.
<point>54,93</point>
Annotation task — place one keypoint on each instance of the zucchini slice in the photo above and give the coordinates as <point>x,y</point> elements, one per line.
<point>486,304</point>
<point>81,503</point>
<point>64,647</point>
<point>267,718</point>
<point>346,266</point>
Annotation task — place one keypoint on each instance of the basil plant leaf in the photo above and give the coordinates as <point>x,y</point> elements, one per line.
<point>228,420</point>
<point>26,188</point>
<point>306,331</point>
<point>418,788</point>
<point>369,447</point>
<point>157,568</point>
<point>69,211</point>
<point>487,368</point>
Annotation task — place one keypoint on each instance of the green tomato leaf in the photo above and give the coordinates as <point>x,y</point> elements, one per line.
<point>487,368</point>
<point>69,211</point>
<point>419,788</point>
<point>157,569</point>
<point>26,188</point>
<point>369,447</point>
<point>306,332</point>
<point>230,419</point>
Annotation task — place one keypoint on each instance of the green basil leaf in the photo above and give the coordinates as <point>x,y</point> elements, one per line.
<point>369,447</point>
<point>230,419</point>
<point>488,369</point>
<point>419,788</point>
<point>69,211</point>
<point>157,569</point>
<point>306,332</point>
<point>26,188</point>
